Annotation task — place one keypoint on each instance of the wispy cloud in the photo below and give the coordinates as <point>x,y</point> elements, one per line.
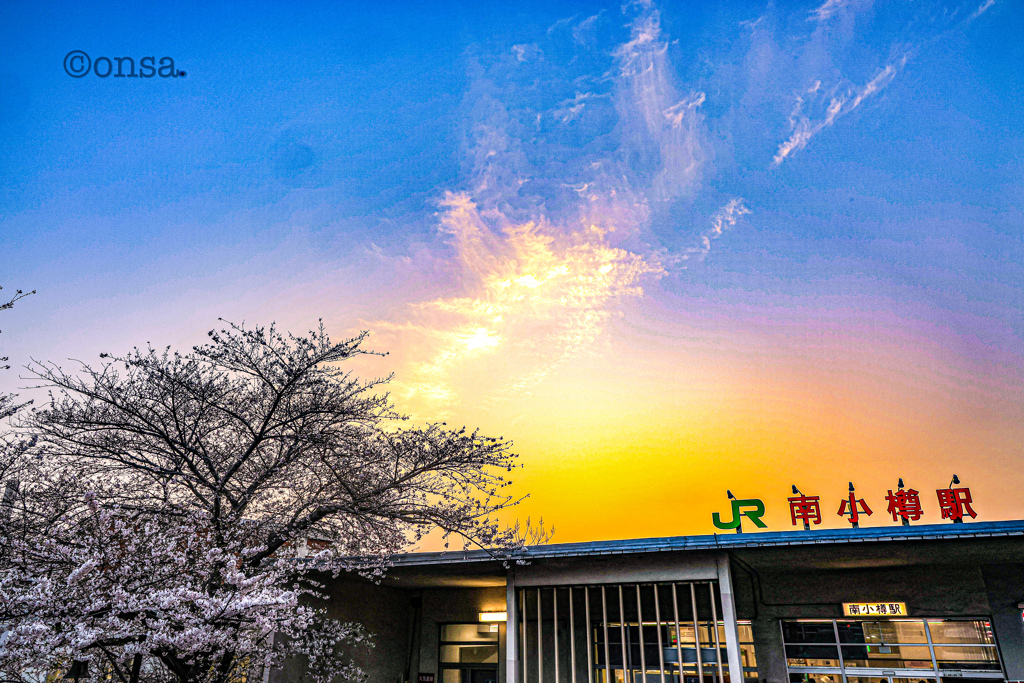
<point>724,219</point>
<point>831,8</point>
<point>663,126</point>
<point>571,109</point>
<point>982,8</point>
<point>803,127</point>
<point>827,9</point>
<point>526,51</point>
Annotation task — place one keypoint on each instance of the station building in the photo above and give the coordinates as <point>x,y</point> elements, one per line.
<point>904,604</point>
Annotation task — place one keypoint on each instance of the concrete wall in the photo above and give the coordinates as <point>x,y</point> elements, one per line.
<point>767,596</point>
<point>384,612</point>
<point>645,568</point>
<point>1004,585</point>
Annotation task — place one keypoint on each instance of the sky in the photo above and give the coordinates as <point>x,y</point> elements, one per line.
<point>667,249</point>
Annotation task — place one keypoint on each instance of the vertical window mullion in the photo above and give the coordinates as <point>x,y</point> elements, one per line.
<point>696,635</point>
<point>607,650</point>
<point>540,645</point>
<point>572,635</point>
<point>590,636</point>
<point>931,647</point>
<point>718,645</point>
<point>640,623</point>
<point>526,646</point>
<point>622,631</point>
<point>554,632</point>
<point>661,647</point>
<point>839,649</point>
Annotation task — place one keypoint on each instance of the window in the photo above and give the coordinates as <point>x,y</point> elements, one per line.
<point>468,653</point>
<point>900,651</point>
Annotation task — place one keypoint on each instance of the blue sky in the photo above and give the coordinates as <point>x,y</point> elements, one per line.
<point>795,188</point>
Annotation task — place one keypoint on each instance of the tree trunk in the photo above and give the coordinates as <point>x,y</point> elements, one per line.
<point>136,669</point>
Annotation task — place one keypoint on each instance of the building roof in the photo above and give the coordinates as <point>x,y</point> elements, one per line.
<point>924,532</point>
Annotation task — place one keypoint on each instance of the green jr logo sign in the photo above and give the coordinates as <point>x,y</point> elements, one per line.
<point>751,508</point>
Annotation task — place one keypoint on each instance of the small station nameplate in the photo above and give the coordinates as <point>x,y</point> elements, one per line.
<point>875,609</point>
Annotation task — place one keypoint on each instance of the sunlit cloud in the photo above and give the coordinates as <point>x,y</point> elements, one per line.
<point>539,256</point>
<point>534,295</point>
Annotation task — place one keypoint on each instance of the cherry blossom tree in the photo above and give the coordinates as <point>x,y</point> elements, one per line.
<point>8,406</point>
<point>164,498</point>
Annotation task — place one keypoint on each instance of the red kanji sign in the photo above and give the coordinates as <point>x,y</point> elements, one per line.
<point>955,503</point>
<point>804,508</point>
<point>906,504</point>
<point>850,507</point>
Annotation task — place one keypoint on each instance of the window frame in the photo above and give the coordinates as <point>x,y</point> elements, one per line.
<point>935,672</point>
<point>458,666</point>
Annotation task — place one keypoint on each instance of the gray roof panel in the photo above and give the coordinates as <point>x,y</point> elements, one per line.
<point>925,532</point>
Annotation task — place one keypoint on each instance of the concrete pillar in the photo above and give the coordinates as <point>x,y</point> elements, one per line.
<point>732,634</point>
<point>769,649</point>
<point>508,673</point>
<point>1005,587</point>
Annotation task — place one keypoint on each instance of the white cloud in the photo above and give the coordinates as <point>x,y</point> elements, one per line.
<point>982,8</point>
<point>839,104</point>
<point>830,8</point>
<point>724,218</point>
<point>526,52</point>
<point>826,10</point>
<point>662,127</point>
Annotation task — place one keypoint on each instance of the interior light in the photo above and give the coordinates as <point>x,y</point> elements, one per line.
<point>494,616</point>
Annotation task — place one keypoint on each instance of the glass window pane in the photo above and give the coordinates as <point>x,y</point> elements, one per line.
<point>467,633</point>
<point>882,632</point>
<point>685,632</point>
<point>747,656</point>
<point>450,676</point>
<point>976,631</point>
<point>812,655</point>
<point>822,678</point>
<point>808,632</point>
<point>859,632</point>
<point>887,656</point>
<point>469,654</point>
<point>746,633</point>
<point>896,632</point>
<point>978,658</point>
<point>707,634</point>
